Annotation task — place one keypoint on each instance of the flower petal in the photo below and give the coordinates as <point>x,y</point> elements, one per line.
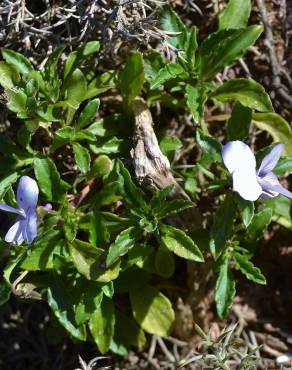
<point>271,185</point>
<point>237,155</point>
<point>15,234</point>
<point>5,207</point>
<point>246,184</point>
<point>27,193</point>
<point>31,225</point>
<point>270,160</point>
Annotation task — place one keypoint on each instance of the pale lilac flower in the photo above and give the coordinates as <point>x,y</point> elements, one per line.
<point>249,182</point>
<point>25,226</point>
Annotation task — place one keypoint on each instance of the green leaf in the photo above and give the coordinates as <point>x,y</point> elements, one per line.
<point>76,87</point>
<point>101,166</point>
<point>51,66</point>
<point>172,207</point>
<point>164,262</point>
<point>132,77</point>
<point>258,225</point>
<point>8,75</point>
<point>171,23</point>
<point>196,97</point>
<point>101,84</point>
<point>132,195</point>
<point>124,241</point>
<point>61,304</point>
<point>248,269</point>
<point>102,323</point>
<point>246,208</point>
<point>211,147</point>
<point>191,47</point>
<point>248,92</point>
<point>281,208</point>
<point>40,257</point>
<point>19,61</point>
<point>223,47</point>
<point>89,302</point>
<point>153,62</point>
<point>160,196</point>
<point>7,181</point>
<point>152,310</point>
<point>221,229</point>
<point>143,256</point>
<point>239,122</point>
<point>77,57</point>
<point>82,157</point>
<point>48,178</point>
<point>235,15</point>
<point>225,289</point>
<point>277,127</point>
<point>178,242</point>
<point>283,167</point>
<point>90,262</point>
<point>169,144</point>
<point>88,114</point>
<point>168,72</point>
<point>128,332</point>
<point>17,100</point>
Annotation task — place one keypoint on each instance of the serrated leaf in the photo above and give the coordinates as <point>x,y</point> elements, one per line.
<point>196,96</point>
<point>124,241</point>
<point>178,242</point>
<point>102,323</point>
<point>235,15</point>
<point>62,305</point>
<point>223,47</point>
<point>248,269</point>
<point>258,225</point>
<point>248,92</point>
<point>170,22</point>
<point>211,147</point>
<point>160,196</point>
<point>167,73</point>
<point>277,127</point>
<point>82,157</point>
<point>172,207</point>
<point>17,100</point>
<point>48,178</point>
<point>6,181</point>
<point>225,289</point>
<point>152,310</point>
<point>132,195</point>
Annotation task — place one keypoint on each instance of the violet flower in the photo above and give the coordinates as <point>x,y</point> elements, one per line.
<point>249,182</point>
<point>25,226</point>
